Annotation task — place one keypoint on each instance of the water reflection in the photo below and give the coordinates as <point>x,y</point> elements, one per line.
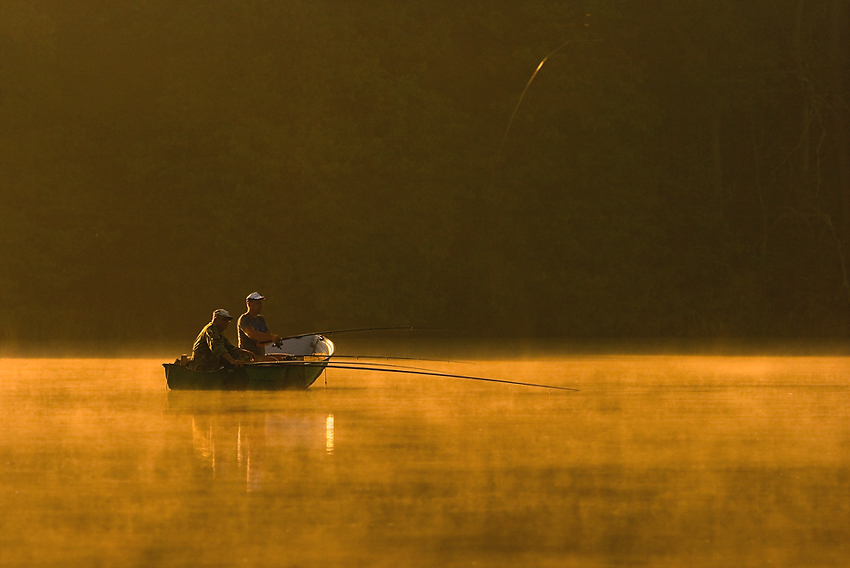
<point>329,434</point>
<point>231,441</point>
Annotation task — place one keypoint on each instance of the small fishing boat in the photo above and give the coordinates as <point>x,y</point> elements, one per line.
<point>302,360</point>
<point>308,356</point>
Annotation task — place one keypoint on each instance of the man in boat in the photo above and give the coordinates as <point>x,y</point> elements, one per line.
<point>253,332</point>
<point>212,350</point>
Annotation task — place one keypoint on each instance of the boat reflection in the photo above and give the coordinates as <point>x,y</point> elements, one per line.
<point>239,441</point>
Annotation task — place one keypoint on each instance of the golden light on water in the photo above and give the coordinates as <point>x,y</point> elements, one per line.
<point>239,446</point>
<point>250,483</point>
<point>656,461</point>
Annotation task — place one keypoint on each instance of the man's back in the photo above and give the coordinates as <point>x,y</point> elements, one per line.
<point>209,346</point>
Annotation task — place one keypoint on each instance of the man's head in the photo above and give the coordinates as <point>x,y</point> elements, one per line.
<point>221,318</point>
<point>254,302</point>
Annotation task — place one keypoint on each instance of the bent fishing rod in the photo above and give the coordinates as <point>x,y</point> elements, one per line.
<point>412,372</point>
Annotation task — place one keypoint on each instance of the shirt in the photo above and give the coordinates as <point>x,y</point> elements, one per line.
<point>209,347</point>
<point>247,322</point>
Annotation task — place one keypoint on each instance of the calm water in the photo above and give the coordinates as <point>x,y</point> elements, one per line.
<point>657,461</point>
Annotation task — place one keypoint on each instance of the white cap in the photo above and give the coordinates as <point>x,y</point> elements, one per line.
<point>222,314</point>
<point>254,296</point>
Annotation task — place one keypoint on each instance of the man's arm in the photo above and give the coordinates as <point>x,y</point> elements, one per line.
<point>248,354</point>
<point>232,360</point>
<point>220,346</point>
<point>259,336</point>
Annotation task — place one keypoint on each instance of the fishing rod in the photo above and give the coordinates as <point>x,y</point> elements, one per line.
<point>366,366</point>
<point>359,329</point>
<point>392,358</point>
<point>412,372</point>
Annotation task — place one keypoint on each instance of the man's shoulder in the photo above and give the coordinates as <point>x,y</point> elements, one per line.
<point>250,321</point>
<point>211,331</point>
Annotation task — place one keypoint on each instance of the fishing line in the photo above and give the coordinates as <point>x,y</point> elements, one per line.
<point>527,85</point>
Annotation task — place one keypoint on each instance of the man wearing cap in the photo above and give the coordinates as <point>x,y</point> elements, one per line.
<point>252,329</point>
<point>212,350</point>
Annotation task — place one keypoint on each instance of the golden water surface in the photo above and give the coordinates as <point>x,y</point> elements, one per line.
<point>656,461</point>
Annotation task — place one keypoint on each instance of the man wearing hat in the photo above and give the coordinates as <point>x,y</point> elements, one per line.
<point>212,350</point>
<point>251,327</point>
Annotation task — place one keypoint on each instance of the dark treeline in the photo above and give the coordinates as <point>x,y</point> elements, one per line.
<point>675,168</point>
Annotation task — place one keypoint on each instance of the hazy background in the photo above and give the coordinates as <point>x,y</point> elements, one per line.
<point>680,169</point>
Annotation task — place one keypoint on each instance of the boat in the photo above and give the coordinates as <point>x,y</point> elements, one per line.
<point>307,357</point>
<point>302,359</point>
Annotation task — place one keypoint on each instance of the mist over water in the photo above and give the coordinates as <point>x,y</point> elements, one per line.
<point>656,461</point>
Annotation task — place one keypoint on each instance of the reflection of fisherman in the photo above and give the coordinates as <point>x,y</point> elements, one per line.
<point>252,329</point>
<point>212,350</point>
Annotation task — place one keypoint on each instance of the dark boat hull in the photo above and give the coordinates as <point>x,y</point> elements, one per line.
<point>266,376</point>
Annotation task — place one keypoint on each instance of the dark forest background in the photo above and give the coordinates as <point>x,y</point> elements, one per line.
<point>675,169</point>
